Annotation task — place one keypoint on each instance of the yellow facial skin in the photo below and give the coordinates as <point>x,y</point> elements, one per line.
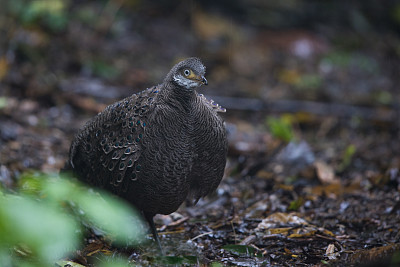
<point>189,74</point>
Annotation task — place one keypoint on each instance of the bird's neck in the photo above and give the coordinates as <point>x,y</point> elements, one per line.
<point>178,96</point>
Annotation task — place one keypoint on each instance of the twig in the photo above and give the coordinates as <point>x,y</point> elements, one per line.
<point>172,232</point>
<point>178,222</point>
<point>234,232</point>
<point>317,108</point>
<point>326,237</point>
<point>203,234</point>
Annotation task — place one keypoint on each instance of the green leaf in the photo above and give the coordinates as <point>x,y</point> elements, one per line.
<point>31,183</point>
<point>39,229</point>
<point>296,204</point>
<point>240,250</point>
<point>53,13</point>
<point>112,215</point>
<point>347,157</point>
<point>181,260</point>
<point>191,259</point>
<point>47,232</point>
<point>114,262</point>
<point>281,128</point>
<point>172,260</point>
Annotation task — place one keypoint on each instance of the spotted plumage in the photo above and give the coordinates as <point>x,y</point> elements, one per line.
<point>157,147</point>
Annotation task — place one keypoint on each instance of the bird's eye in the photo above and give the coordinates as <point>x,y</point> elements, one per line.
<point>186,72</point>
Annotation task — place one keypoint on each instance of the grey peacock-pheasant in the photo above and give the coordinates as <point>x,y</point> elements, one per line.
<point>157,147</point>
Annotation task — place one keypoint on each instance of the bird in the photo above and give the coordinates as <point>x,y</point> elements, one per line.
<point>156,148</point>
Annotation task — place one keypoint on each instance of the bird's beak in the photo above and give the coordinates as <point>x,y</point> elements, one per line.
<point>204,80</point>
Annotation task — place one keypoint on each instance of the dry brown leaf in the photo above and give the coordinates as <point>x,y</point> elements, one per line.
<point>330,252</point>
<point>278,219</point>
<point>277,224</point>
<point>325,173</point>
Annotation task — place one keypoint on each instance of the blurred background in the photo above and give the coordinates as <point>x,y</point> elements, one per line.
<point>311,87</point>
<point>62,60</point>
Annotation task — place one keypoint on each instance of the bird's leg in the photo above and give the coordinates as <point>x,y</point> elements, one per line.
<point>149,218</point>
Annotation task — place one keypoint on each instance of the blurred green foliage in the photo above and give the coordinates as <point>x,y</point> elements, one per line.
<point>43,222</point>
<point>34,228</point>
<point>395,13</point>
<point>52,14</point>
<point>309,81</point>
<point>179,260</point>
<point>87,15</point>
<point>296,204</point>
<point>3,102</point>
<point>338,58</point>
<point>384,97</point>
<point>395,261</point>
<point>281,127</point>
<point>115,262</point>
<point>102,69</point>
<point>347,157</point>
<point>345,59</point>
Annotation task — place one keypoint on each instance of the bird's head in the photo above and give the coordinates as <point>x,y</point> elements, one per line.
<point>188,74</point>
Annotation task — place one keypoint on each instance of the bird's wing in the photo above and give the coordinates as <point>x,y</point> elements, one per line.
<point>111,143</point>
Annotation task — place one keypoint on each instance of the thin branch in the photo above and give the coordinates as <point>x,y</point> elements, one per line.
<point>316,108</point>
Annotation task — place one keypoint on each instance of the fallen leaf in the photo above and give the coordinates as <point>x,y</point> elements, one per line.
<point>330,252</point>
<point>325,173</point>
